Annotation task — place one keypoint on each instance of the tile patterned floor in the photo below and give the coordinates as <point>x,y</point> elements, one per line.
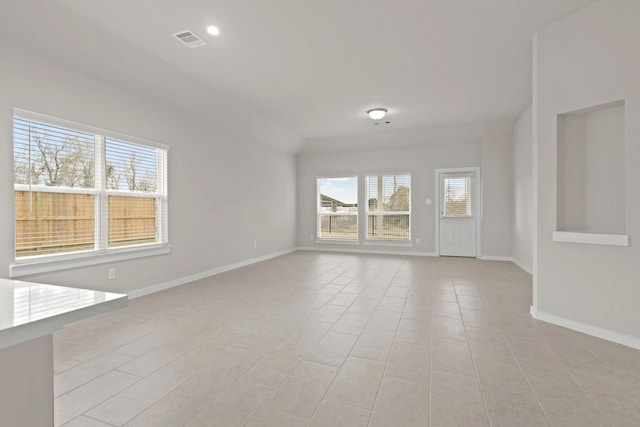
<point>317,339</point>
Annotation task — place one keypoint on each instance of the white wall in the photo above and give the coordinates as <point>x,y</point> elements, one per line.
<point>26,389</point>
<point>225,190</point>
<point>523,214</point>
<point>588,59</point>
<point>489,148</point>
<point>572,164</point>
<point>497,194</point>
<point>605,180</point>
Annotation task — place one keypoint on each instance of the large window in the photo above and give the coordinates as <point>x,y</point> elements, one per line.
<point>81,192</point>
<point>389,207</point>
<point>338,208</point>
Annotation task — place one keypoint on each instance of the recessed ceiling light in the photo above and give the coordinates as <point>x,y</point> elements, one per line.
<point>377,113</point>
<point>213,30</point>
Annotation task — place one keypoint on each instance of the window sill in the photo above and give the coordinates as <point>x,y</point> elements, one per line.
<point>338,241</point>
<point>398,243</point>
<point>591,238</point>
<point>25,268</point>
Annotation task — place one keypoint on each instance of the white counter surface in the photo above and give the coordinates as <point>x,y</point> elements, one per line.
<point>33,310</point>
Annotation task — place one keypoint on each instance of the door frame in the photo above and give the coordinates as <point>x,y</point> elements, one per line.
<point>477,204</point>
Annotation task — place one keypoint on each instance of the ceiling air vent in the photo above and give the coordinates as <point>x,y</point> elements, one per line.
<point>189,38</point>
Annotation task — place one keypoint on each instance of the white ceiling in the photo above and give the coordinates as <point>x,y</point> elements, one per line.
<point>309,69</point>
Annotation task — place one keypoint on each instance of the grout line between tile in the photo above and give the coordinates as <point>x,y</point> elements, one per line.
<point>515,359</point>
<point>393,344</point>
<point>573,378</point>
<point>429,419</point>
<point>473,360</point>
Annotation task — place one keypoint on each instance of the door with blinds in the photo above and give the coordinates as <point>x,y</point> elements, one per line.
<point>458,208</point>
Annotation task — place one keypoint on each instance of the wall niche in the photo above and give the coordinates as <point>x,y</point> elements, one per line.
<point>591,172</point>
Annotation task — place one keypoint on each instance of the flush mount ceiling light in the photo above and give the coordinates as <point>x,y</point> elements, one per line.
<point>377,113</point>
<point>213,30</point>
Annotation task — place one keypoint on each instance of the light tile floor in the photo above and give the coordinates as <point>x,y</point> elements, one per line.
<point>317,339</point>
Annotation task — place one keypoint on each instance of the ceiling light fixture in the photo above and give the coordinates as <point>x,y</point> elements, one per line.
<point>213,30</point>
<point>377,113</point>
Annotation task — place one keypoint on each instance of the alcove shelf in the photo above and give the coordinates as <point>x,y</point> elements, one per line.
<point>591,178</point>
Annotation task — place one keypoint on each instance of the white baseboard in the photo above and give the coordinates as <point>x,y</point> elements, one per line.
<point>522,266</point>
<point>429,254</point>
<point>508,258</point>
<point>365,251</point>
<point>182,280</point>
<point>605,334</point>
<point>495,258</point>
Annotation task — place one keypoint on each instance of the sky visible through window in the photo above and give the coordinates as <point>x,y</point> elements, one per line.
<point>388,183</point>
<point>53,156</point>
<point>346,189</point>
<point>130,166</point>
<point>342,189</point>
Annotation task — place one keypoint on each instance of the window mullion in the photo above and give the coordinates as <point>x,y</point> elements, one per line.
<point>161,202</point>
<point>101,226</point>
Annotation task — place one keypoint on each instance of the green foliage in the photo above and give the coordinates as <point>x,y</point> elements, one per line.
<point>399,200</point>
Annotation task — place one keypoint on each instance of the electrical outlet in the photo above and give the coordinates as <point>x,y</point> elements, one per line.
<point>417,240</point>
<point>111,273</point>
<point>310,236</point>
<point>255,244</point>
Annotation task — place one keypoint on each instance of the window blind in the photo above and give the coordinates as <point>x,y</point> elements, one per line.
<point>130,167</point>
<point>337,208</point>
<point>389,207</point>
<point>54,179</point>
<point>132,177</point>
<point>53,156</point>
<point>457,197</point>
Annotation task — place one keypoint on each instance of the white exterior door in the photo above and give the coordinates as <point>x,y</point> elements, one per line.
<point>458,206</point>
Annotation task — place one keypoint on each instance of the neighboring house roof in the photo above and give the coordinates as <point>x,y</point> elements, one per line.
<point>330,201</point>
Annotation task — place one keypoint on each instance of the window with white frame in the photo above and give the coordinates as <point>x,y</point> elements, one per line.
<point>337,200</point>
<point>80,191</point>
<point>456,197</point>
<point>388,207</point>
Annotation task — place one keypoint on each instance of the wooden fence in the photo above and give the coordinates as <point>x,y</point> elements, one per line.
<point>132,220</point>
<point>61,222</point>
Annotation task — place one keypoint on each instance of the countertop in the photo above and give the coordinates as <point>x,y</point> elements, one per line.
<point>32,310</point>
